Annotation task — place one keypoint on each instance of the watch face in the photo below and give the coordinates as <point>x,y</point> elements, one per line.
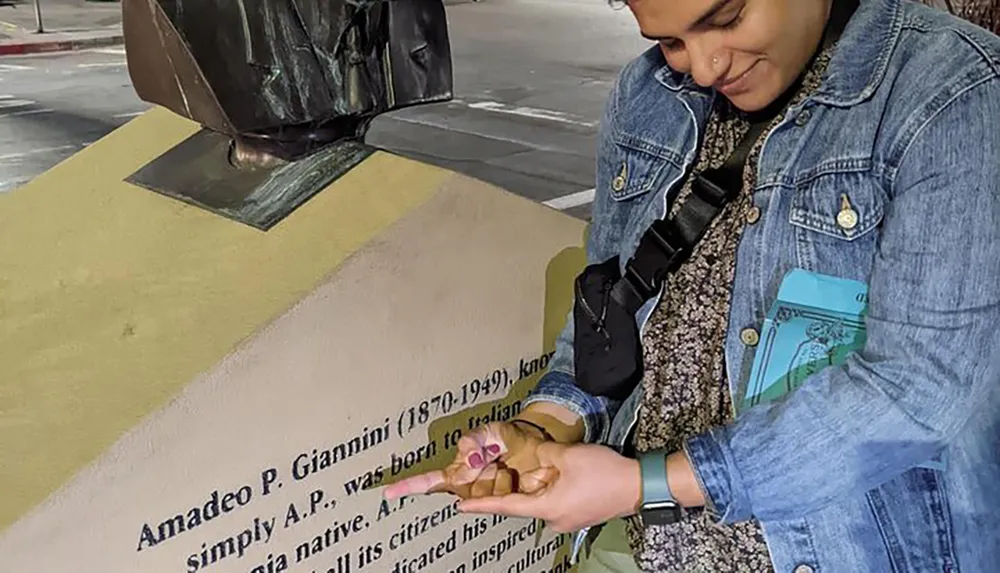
<point>661,513</point>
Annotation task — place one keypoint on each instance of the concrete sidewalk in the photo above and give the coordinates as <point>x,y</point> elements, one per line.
<point>67,25</point>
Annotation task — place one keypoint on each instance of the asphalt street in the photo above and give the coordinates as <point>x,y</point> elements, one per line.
<point>531,77</point>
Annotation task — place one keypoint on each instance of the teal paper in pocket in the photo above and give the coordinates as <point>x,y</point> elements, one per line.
<point>816,321</point>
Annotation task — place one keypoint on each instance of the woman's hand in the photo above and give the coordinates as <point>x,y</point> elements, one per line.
<point>492,460</point>
<point>594,484</point>
<point>499,458</point>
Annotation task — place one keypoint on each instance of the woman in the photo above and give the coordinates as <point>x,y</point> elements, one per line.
<point>868,151</point>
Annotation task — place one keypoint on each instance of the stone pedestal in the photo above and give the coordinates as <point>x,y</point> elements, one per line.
<point>182,392</point>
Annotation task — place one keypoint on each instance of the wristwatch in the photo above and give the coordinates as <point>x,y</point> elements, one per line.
<point>658,504</point>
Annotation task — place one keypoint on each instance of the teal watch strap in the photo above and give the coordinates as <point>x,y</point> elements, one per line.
<point>653,468</point>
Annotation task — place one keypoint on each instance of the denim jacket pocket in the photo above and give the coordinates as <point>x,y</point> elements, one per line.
<point>834,219</point>
<point>844,206</point>
<point>635,168</point>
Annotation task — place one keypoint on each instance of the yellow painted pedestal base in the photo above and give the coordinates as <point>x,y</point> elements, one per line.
<point>180,392</point>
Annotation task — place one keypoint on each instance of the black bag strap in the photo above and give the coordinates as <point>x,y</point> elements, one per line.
<point>668,242</point>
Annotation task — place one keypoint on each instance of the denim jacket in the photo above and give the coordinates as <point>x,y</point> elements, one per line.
<point>906,125</point>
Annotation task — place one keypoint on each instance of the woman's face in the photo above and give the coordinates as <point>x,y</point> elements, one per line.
<point>750,50</point>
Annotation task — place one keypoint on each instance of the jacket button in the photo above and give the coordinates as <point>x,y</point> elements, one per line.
<point>803,569</point>
<point>847,218</point>
<point>618,183</point>
<point>803,118</point>
<point>749,337</point>
<point>753,215</point>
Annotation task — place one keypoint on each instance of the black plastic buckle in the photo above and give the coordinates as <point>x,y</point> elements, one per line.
<point>671,245</point>
<point>642,288</point>
<point>660,252</point>
<point>712,188</point>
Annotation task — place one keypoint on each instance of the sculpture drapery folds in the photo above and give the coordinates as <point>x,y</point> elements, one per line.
<point>288,76</point>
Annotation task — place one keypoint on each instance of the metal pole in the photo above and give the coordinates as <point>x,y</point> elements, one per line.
<point>38,16</point>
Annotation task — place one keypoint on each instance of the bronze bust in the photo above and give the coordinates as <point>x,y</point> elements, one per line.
<point>287,77</point>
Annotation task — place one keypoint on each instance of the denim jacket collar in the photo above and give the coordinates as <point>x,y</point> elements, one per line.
<point>853,74</point>
<point>675,81</point>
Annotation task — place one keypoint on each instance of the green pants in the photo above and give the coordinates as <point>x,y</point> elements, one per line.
<point>610,552</point>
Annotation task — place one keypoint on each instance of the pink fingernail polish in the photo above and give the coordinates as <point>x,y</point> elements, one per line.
<point>476,461</point>
<point>493,449</point>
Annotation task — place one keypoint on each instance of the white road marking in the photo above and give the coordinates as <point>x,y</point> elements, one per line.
<point>14,68</point>
<point>26,112</point>
<point>7,102</point>
<point>497,107</point>
<point>559,203</point>
<point>102,65</point>
<point>11,156</point>
<point>11,184</point>
<point>571,200</point>
<point>129,114</point>
<point>444,126</point>
<point>115,51</point>
<point>531,112</point>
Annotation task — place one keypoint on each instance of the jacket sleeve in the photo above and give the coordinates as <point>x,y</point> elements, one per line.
<point>932,357</point>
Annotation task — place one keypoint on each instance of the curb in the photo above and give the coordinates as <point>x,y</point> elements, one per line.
<point>17,48</point>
